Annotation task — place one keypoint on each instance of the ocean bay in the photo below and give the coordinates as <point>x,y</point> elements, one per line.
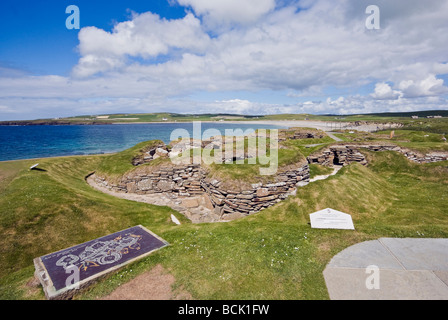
<point>28,142</point>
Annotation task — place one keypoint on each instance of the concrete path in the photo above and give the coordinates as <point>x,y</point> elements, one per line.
<point>390,269</point>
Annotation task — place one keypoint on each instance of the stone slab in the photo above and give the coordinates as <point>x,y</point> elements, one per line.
<point>93,260</point>
<point>442,275</point>
<point>407,269</point>
<point>419,254</point>
<point>175,220</point>
<point>350,284</point>
<point>331,219</point>
<point>365,254</point>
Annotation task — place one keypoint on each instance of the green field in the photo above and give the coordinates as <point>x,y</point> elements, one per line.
<point>49,210</point>
<point>434,125</point>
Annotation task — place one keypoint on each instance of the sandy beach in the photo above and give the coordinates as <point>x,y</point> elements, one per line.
<point>326,126</point>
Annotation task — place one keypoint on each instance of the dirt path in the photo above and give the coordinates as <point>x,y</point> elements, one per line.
<point>332,136</point>
<point>156,284</point>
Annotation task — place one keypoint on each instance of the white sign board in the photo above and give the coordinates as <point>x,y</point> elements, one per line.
<point>331,219</point>
<point>174,219</point>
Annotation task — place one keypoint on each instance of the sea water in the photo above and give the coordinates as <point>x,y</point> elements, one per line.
<point>27,142</point>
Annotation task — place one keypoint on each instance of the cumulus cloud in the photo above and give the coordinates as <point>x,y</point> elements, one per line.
<point>430,86</point>
<point>146,36</point>
<point>219,13</point>
<point>6,109</point>
<point>288,49</point>
<point>149,63</point>
<point>440,68</point>
<point>383,91</point>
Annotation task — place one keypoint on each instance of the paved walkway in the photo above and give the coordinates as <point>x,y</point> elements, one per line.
<point>401,269</point>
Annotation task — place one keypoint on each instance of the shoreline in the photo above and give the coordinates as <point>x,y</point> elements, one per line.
<point>286,124</point>
<point>323,125</point>
<point>326,126</point>
<point>58,157</point>
<point>101,154</point>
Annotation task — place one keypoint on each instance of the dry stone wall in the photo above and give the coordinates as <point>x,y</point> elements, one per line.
<point>190,180</point>
<point>181,180</point>
<point>346,154</point>
<point>160,151</point>
<point>229,203</point>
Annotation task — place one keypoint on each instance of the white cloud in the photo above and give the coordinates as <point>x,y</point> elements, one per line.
<point>440,68</point>
<point>226,12</point>
<point>362,104</point>
<point>146,36</point>
<point>92,64</point>
<point>383,91</point>
<point>152,64</point>
<point>430,86</point>
<point>287,50</point>
<point>6,109</point>
<point>235,106</point>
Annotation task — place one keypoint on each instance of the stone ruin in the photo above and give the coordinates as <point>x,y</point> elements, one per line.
<point>228,203</point>
<point>160,151</point>
<point>345,154</point>
<point>299,133</point>
<point>225,201</point>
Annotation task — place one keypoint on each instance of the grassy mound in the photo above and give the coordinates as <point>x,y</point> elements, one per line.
<point>420,141</point>
<point>46,211</point>
<point>290,156</point>
<point>116,165</point>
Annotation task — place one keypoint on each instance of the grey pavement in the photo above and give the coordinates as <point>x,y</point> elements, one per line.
<point>390,269</point>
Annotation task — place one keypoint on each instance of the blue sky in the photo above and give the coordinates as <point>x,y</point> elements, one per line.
<point>38,27</point>
<point>232,56</point>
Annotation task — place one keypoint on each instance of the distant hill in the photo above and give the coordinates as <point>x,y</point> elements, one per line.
<point>175,117</point>
<point>443,113</point>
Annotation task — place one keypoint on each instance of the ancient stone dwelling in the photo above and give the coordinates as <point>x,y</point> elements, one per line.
<point>345,154</point>
<point>228,200</point>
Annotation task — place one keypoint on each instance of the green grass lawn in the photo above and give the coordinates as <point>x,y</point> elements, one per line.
<point>419,140</point>
<point>318,170</point>
<point>270,255</point>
